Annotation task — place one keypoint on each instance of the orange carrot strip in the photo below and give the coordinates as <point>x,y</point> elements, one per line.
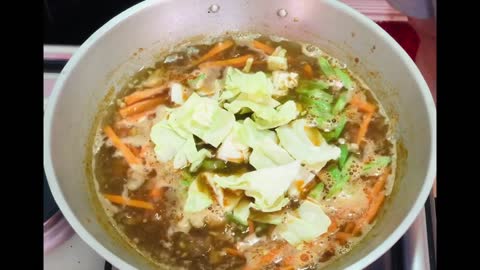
<point>251,227</point>
<point>308,71</point>
<point>236,62</point>
<point>374,207</point>
<point>134,203</point>
<point>127,153</point>
<point>371,213</point>
<point>380,183</point>
<point>135,150</point>
<point>362,105</point>
<point>144,94</point>
<point>138,116</point>
<point>263,47</point>
<point>343,236</point>
<point>362,131</point>
<point>141,106</point>
<point>218,48</point>
<point>233,252</point>
<point>333,226</point>
<point>156,193</point>
<point>288,261</point>
<point>358,226</point>
<point>349,227</point>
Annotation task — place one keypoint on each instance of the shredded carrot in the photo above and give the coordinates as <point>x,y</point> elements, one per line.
<point>251,227</point>
<point>145,149</point>
<point>333,226</point>
<point>156,193</point>
<point>263,47</point>
<point>308,71</point>
<point>288,261</point>
<point>358,226</point>
<point>362,105</point>
<point>233,252</point>
<point>135,150</point>
<point>362,131</point>
<point>349,227</point>
<point>218,48</point>
<point>380,183</point>
<point>138,116</point>
<point>374,207</point>
<point>343,236</point>
<point>141,106</point>
<point>371,213</point>
<point>236,62</point>
<point>134,203</point>
<point>144,94</point>
<point>127,153</point>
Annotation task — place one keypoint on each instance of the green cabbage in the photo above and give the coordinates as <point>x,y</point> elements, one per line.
<point>267,186</point>
<point>242,211</point>
<point>307,223</point>
<point>167,141</point>
<point>375,166</point>
<point>198,197</point>
<point>283,115</point>
<point>203,117</point>
<point>266,152</point>
<point>255,86</point>
<point>294,139</point>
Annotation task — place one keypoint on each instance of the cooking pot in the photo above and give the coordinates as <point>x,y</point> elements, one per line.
<point>136,38</point>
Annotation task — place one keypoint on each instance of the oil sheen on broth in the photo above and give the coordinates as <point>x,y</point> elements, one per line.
<point>244,152</point>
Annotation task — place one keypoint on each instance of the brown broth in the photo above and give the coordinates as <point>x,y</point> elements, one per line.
<point>207,247</point>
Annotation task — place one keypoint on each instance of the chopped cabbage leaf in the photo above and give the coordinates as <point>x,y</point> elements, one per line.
<point>203,117</point>
<point>263,109</point>
<point>283,115</point>
<point>266,152</point>
<point>232,149</point>
<point>167,142</point>
<point>308,222</point>
<point>277,61</point>
<point>267,186</point>
<point>295,140</point>
<point>198,197</point>
<point>255,85</point>
<point>242,211</point>
<point>268,218</point>
<point>250,135</point>
<point>189,153</point>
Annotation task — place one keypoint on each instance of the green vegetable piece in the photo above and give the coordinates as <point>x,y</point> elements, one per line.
<point>343,155</point>
<point>344,77</point>
<point>376,165</point>
<point>213,164</point>
<point>317,191</point>
<point>334,134</point>
<point>340,104</point>
<point>325,67</point>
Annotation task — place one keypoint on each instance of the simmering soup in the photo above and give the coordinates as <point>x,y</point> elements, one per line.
<point>244,152</point>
